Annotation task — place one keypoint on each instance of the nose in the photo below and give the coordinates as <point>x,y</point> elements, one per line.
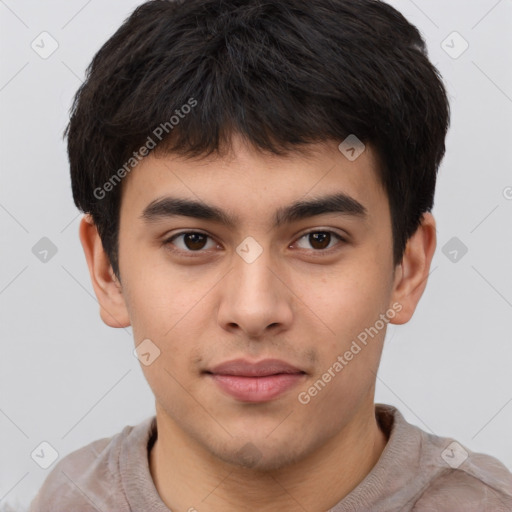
<point>255,299</point>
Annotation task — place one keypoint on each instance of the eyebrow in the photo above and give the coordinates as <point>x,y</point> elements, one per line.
<point>339,203</point>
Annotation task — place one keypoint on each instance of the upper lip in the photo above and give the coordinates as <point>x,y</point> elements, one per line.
<point>263,368</point>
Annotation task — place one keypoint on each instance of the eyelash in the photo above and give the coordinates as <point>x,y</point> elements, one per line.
<point>190,253</point>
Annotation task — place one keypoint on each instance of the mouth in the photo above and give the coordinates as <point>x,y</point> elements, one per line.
<point>261,381</point>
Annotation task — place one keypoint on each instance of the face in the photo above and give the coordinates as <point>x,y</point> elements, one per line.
<point>246,276</point>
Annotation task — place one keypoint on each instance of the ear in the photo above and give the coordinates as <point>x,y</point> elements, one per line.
<point>412,274</point>
<point>106,286</point>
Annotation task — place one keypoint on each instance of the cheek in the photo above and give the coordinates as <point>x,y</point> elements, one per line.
<point>173,322</point>
<point>159,299</point>
<point>346,299</point>
<point>174,314</point>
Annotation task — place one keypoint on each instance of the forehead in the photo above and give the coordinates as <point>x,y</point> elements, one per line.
<point>250,181</point>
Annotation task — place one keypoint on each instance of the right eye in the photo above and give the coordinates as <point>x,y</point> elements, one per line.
<point>189,241</point>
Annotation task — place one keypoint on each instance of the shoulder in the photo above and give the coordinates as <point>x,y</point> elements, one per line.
<point>465,480</point>
<point>88,479</point>
<point>431,473</point>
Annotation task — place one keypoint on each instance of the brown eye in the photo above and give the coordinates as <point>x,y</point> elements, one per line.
<point>190,241</point>
<point>319,240</point>
<point>194,241</point>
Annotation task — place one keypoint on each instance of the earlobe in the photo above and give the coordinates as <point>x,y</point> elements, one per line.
<point>412,275</point>
<point>106,286</point>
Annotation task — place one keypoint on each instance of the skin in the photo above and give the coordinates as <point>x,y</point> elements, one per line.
<point>294,303</point>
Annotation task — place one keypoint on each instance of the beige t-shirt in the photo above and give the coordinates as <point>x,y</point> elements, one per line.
<point>416,472</point>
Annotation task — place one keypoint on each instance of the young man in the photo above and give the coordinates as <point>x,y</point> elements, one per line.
<point>257,179</point>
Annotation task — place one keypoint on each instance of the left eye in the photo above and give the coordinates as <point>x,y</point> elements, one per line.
<point>320,240</point>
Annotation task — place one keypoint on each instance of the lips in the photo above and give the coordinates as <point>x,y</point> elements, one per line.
<point>255,382</point>
<point>243,368</point>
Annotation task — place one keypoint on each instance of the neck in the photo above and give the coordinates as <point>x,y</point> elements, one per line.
<point>188,478</point>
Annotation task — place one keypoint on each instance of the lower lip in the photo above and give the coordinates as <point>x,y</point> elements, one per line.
<point>257,389</point>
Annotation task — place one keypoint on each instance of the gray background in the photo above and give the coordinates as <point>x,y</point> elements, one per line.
<point>68,379</point>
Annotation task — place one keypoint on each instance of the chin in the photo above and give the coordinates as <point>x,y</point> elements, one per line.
<point>260,455</point>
